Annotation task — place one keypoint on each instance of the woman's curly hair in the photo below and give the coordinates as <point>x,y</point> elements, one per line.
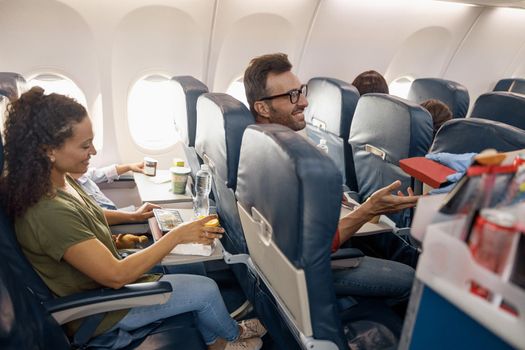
<point>35,124</point>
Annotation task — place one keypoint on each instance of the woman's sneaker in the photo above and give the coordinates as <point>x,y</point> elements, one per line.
<point>252,328</point>
<point>244,344</point>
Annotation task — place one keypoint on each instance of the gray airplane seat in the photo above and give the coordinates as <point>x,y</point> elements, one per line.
<point>504,107</point>
<point>289,197</point>
<point>331,106</point>
<point>188,89</point>
<point>12,85</point>
<point>453,94</point>
<point>386,129</point>
<point>31,315</point>
<point>475,135</point>
<point>515,85</point>
<point>222,120</point>
<point>218,142</point>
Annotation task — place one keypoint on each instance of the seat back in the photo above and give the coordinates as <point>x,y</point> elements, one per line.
<point>453,94</point>
<point>289,198</point>
<point>331,106</point>
<point>386,129</point>
<point>516,85</point>
<point>504,107</point>
<point>222,120</point>
<point>475,135</point>
<point>25,324</point>
<point>13,256</point>
<point>188,89</point>
<point>12,85</point>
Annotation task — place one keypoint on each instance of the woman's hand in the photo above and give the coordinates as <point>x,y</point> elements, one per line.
<point>196,232</point>
<point>144,212</point>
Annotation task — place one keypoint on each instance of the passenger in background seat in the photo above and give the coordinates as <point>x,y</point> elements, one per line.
<point>276,95</point>
<point>88,181</point>
<point>439,111</point>
<point>370,82</point>
<point>65,236</point>
<point>94,176</point>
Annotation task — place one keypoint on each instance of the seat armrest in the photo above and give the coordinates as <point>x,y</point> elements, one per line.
<point>80,305</point>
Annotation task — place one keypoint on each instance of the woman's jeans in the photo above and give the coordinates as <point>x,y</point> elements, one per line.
<point>190,293</point>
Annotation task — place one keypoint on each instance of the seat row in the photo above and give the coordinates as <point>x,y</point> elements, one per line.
<point>278,197</point>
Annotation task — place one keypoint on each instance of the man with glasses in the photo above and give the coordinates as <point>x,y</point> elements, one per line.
<point>276,95</point>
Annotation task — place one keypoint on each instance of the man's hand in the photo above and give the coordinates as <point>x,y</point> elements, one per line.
<point>144,212</point>
<point>384,202</point>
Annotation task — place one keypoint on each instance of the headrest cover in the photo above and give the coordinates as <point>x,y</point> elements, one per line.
<point>453,94</point>
<point>476,135</point>
<point>12,85</point>
<point>332,102</point>
<point>515,85</point>
<point>220,124</point>
<point>505,107</point>
<point>188,91</point>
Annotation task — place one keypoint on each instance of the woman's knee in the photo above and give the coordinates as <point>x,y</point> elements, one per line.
<point>194,285</point>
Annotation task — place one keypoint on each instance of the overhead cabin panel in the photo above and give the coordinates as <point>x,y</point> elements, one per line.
<point>245,29</point>
<point>493,49</point>
<point>395,37</point>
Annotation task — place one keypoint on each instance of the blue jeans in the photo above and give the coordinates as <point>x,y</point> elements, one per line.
<point>190,293</point>
<point>386,279</point>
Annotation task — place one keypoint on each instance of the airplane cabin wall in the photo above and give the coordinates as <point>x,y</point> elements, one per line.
<point>105,47</point>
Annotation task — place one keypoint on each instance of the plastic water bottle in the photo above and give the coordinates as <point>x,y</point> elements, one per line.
<point>201,202</point>
<point>322,145</point>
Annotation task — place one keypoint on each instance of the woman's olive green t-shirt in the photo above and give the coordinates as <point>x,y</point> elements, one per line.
<point>49,228</point>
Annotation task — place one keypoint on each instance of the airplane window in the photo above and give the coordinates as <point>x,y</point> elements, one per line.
<point>53,83</point>
<point>236,89</point>
<point>400,86</point>
<point>151,112</point>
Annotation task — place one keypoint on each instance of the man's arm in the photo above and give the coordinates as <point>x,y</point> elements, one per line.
<point>380,202</point>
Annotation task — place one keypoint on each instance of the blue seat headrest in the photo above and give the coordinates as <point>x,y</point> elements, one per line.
<point>475,135</point>
<point>12,85</point>
<point>221,120</point>
<point>451,93</point>
<point>407,126</point>
<point>505,107</point>
<point>333,102</point>
<point>515,85</point>
<point>297,189</point>
<point>295,186</point>
<point>188,89</point>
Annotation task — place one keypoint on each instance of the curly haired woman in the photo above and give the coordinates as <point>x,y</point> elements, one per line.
<point>66,238</point>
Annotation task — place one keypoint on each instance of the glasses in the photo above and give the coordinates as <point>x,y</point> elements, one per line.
<point>292,94</point>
